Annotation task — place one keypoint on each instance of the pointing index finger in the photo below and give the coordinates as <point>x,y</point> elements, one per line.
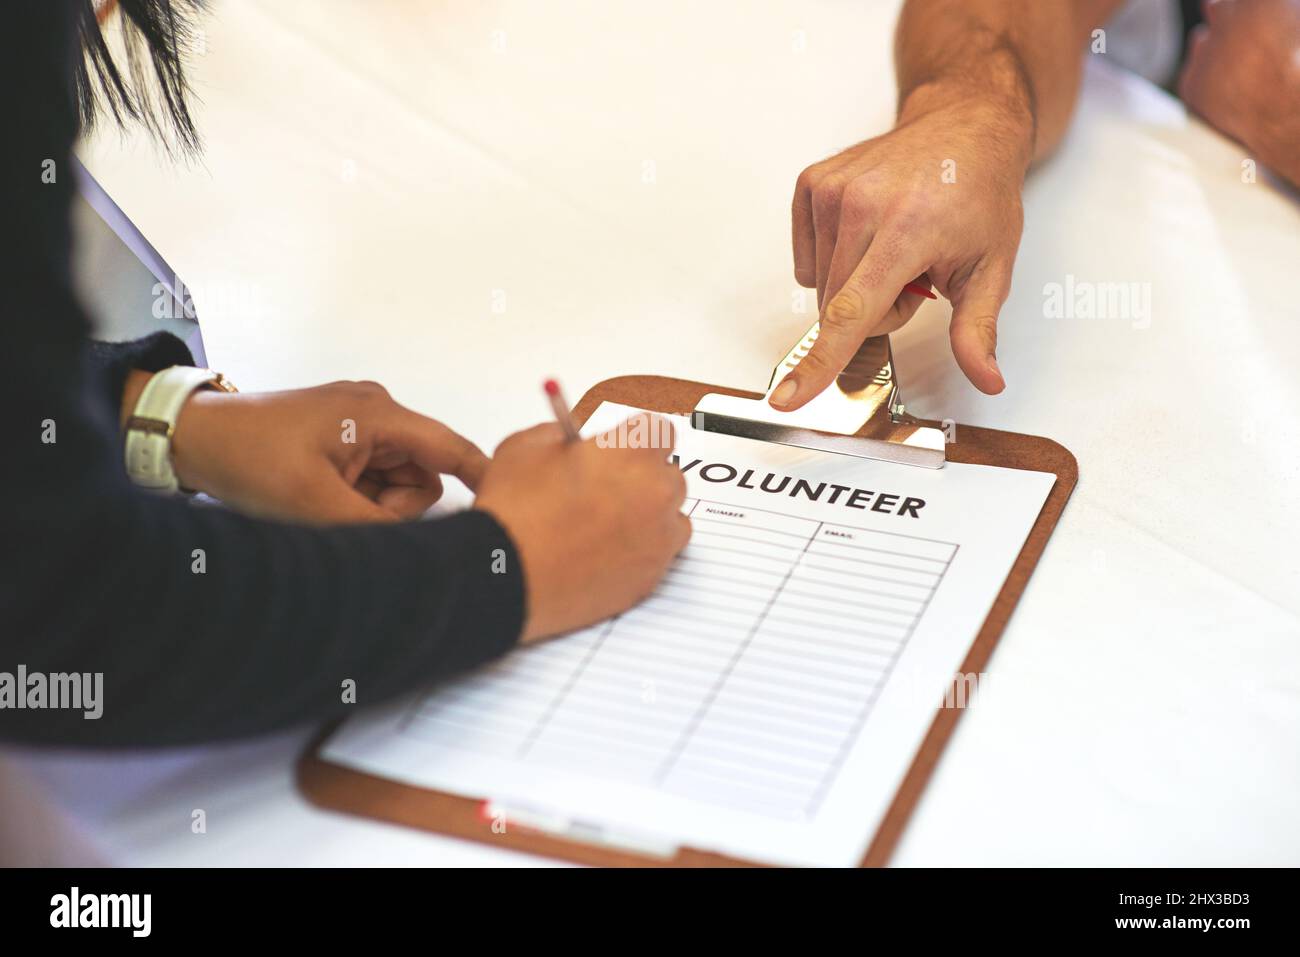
<point>849,319</point>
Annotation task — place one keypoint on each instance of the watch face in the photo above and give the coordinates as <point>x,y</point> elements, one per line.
<point>222,383</point>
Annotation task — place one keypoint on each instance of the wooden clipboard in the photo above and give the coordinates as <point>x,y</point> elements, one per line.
<point>339,788</point>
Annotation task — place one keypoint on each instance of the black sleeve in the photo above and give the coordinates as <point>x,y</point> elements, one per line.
<point>114,361</point>
<point>203,623</point>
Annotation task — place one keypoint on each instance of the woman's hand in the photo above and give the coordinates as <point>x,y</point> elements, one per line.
<point>343,452</point>
<point>596,523</point>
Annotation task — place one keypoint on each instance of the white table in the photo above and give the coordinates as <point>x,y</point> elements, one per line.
<point>458,202</point>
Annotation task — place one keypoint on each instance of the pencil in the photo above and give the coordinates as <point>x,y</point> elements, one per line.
<point>561,409</point>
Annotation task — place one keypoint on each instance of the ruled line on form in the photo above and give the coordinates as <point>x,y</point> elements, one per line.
<point>743,679</point>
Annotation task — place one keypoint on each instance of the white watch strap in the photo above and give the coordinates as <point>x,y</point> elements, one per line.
<point>149,430</point>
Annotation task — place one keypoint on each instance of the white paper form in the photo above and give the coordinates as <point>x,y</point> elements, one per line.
<point>767,700</point>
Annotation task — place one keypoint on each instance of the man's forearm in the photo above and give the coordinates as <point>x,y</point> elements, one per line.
<point>1020,60</point>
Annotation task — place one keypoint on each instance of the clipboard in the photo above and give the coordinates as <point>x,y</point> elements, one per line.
<point>868,397</point>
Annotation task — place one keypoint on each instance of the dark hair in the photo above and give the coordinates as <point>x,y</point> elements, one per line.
<point>152,88</point>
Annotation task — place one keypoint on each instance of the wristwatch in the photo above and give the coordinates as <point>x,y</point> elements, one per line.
<point>148,441</point>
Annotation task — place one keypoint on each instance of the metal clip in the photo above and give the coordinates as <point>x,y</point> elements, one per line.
<point>861,413</point>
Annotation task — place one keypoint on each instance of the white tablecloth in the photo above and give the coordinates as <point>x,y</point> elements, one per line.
<point>458,200</point>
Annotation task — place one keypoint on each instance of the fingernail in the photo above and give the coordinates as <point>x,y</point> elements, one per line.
<point>784,393</point>
<point>992,363</point>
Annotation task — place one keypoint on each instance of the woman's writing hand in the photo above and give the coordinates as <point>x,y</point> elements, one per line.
<point>596,523</point>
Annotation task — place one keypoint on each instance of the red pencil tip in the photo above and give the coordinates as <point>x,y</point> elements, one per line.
<point>552,387</point>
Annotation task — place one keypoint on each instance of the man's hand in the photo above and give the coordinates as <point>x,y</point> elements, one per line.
<point>343,452</point>
<point>596,523</point>
<point>937,199</point>
<point>1243,76</point>
<point>985,87</point>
